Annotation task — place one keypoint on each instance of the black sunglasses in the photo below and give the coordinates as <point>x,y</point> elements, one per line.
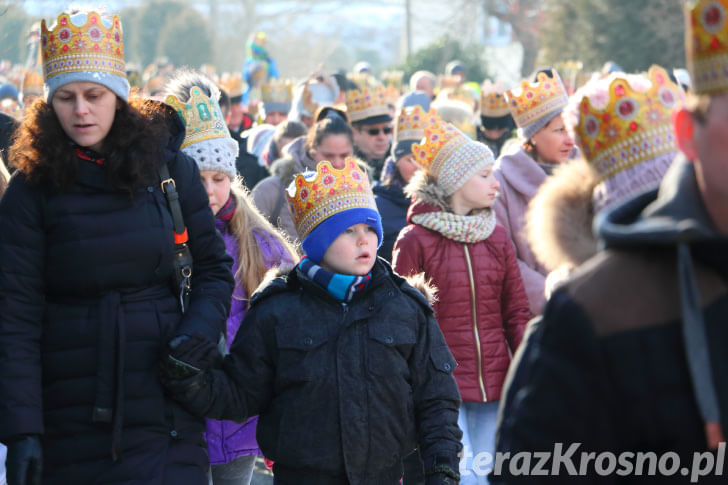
<point>375,131</point>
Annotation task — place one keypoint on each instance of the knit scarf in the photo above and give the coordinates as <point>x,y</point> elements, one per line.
<point>343,287</point>
<point>227,211</point>
<point>464,229</point>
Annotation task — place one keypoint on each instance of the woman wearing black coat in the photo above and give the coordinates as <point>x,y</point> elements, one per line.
<point>86,265</point>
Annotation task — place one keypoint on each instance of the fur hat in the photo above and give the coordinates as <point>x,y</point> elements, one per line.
<point>326,202</point>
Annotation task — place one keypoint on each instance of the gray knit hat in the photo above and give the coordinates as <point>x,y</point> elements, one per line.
<point>533,105</point>
<point>87,47</point>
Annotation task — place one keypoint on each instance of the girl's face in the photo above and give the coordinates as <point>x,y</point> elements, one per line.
<point>407,167</point>
<point>335,149</point>
<point>217,186</point>
<point>553,143</point>
<point>479,192</point>
<point>86,112</point>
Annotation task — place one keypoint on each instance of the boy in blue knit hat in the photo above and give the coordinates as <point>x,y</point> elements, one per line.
<point>341,358</point>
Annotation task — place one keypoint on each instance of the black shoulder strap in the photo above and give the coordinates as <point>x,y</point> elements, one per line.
<point>169,189</point>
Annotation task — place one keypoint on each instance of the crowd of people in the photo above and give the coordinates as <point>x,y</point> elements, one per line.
<point>362,280</point>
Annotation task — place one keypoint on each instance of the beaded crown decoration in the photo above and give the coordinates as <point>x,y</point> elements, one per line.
<point>412,121</point>
<point>706,45</point>
<point>202,117</point>
<point>97,44</point>
<point>277,91</point>
<point>633,127</point>
<point>366,103</point>
<point>532,101</point>
<point>316,196</point>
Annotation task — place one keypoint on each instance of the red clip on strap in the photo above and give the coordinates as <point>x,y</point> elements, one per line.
<point>181,238</point>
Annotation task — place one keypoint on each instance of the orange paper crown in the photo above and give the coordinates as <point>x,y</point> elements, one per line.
<point>532,101</point>
<point>232,84</point>
<point>96,45</point>
<point>706,39</point>
<point>633,127</point>
<point>316,196</point>
<point>367,103</point>
<point>32,83</point>
<point>411,123</point>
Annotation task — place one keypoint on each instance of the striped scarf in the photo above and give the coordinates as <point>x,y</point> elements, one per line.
<point>343,287</point>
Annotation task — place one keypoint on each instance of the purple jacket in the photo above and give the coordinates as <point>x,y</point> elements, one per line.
<point>227,440</point>
<point>520,178</point>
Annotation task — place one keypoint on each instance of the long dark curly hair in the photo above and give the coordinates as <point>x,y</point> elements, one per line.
<point>132,149</point>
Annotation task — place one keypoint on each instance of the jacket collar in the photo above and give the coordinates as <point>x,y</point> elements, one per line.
<point>673,213</point>
<point>521,172</point>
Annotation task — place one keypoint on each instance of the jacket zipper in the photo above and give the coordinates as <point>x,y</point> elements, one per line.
<point>475,324</point>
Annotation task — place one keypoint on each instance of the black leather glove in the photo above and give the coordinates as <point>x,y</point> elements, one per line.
<point>25,461</point>
<point>190,355</point>
<point>442,473</point>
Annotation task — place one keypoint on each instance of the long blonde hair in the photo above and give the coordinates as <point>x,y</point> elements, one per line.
<point>246,219</point>
<point>4,177</point>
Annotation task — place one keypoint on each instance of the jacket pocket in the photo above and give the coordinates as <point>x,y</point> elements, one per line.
<point>442,359</point>
<point>302,352</point>
<point>389,347</point>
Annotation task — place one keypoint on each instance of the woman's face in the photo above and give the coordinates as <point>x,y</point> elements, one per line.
<point>86,112</point>
<point>217,186</point>
<point>553,143</point>
<point>335,149</point>
<point>407,167</point>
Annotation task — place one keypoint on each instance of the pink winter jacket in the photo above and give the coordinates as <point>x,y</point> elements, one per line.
<point>520,177</point>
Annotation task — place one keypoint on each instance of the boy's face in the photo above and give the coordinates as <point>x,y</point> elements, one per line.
<point>353,252</point>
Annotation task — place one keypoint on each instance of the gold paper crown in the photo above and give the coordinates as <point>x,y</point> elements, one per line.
<point>277,91</point>
<point>93,46</point>
<point>493,103</point>
<point>232,84</point>
<point>633,127</point>
<point>532,101</point>
<point>441,139</point>
<point>366,104</point>
<point>202,116</point>
<point>316,196</point>
<point>706,49</point>
<point>32,83</point>
<point>412,121</point>
<point>391,95</point>
<point>393,78</point>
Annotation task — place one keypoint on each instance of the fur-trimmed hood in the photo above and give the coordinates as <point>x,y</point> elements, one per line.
<point>559,218</point>
<point>426,195</point>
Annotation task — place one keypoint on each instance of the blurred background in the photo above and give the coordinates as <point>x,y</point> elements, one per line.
<point>498,39</point>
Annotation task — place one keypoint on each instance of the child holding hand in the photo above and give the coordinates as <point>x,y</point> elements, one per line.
<point>341,358</point>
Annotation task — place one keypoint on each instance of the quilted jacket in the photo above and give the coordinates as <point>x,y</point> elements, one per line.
<point>481,305</point>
